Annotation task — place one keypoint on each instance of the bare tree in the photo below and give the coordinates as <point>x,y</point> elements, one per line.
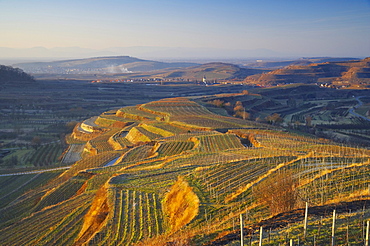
<point>239,111</point>
<point>274,119</point>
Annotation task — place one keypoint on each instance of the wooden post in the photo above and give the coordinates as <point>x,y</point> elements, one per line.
<point>291,242</point>
<point>261,235</point>
<point>305,221</point>
<point>333,230</point>
<point>363,224</point>
<point>367,233</point>
<point>241,230</point>
<point>270,235</point>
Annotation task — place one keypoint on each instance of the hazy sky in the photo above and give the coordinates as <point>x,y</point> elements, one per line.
<point>313,27</point>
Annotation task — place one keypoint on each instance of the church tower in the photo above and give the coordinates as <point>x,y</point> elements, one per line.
<point>204,79</point>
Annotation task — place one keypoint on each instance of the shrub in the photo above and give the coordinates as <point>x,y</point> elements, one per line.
<point>278,192</point>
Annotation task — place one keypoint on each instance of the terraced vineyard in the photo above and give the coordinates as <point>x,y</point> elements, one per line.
<point>172,172</point>
<point>215,143</point>
<point>174,147</point>
<point>132,212</point>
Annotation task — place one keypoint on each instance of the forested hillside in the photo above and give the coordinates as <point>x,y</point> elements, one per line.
<point>10,74</point>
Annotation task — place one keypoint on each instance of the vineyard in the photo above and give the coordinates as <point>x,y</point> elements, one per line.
<point>135,215</point>
<point>171,172</point>
<point>169,148</point>
<point>43,156</point>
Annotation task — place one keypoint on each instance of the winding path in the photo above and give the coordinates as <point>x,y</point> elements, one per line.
<point>36,171</point>
<point>352,110</point>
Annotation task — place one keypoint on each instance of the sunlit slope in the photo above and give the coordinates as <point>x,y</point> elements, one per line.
<point>172,171</point>
<point>341,74</point>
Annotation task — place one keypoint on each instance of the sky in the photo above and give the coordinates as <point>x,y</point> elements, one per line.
<point>307,28</point>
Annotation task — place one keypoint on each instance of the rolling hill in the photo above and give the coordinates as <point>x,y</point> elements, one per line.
<point>346,74</point>
<point>212,71</point>
<point>97,65</point>
<point>171,172</point>
<point>262,64</point>
<point>134,68</point>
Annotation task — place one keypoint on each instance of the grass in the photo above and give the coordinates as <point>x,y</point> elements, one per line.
<point>180,204</point>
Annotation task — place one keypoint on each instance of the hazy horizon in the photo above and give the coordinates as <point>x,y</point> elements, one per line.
<point>161,54</point>
<point>143,52</point>
<point>188,28</point>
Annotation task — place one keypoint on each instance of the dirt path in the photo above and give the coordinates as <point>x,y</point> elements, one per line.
<point>352,110</point>
<point>36,171</point>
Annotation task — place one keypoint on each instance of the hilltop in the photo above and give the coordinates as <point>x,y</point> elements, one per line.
<point>10,75</point>
<point>174,172</point>
<point>212,71</point>
<point>267,64</point>
<point>340,74</point>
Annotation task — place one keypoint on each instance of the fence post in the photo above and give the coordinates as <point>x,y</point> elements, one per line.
<point>241,230</point>
<point>261,235</point>
<point>333,230</point>
<point>367,233</point>
<point>305,221</point>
